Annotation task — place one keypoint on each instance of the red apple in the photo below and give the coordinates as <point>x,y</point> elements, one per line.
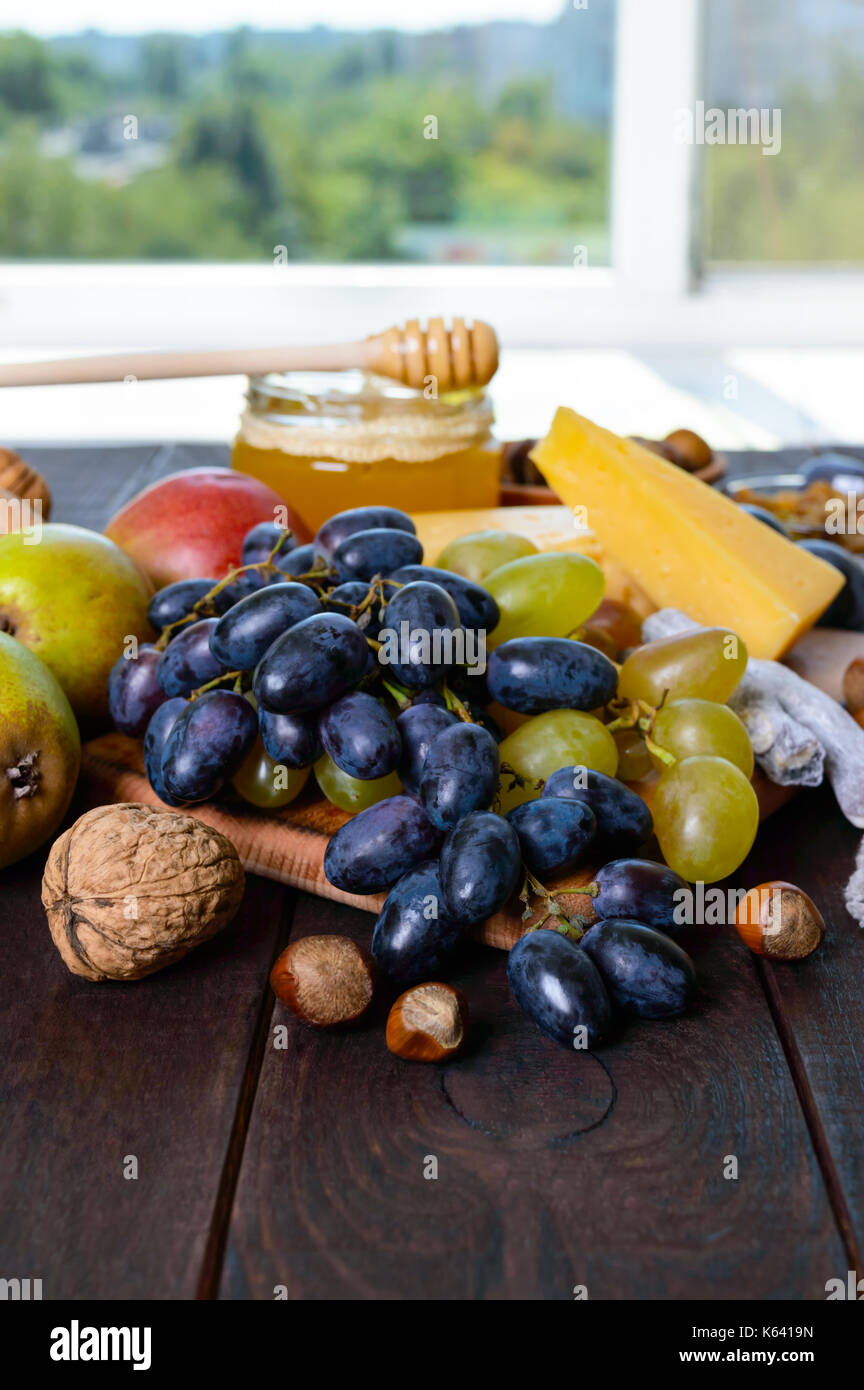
<point>191,525</point>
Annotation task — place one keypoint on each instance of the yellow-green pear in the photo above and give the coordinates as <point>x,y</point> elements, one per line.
<point>40,752</point>
<point>73,597</point>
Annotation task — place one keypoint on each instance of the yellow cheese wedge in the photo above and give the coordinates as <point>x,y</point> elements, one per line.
<point>687,545</point>
<point>550,528</point>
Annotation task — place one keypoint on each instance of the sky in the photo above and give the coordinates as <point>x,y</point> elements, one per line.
<point>203,16</point>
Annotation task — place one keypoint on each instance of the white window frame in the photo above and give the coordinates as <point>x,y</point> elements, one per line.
<point>652,297</point>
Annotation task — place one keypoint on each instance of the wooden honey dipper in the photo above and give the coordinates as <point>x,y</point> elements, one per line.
<point>465,354</point>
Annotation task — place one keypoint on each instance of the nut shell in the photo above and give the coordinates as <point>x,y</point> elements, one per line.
<point>20,480</point>
<point>327,981</point>
<point>690,449</point>
<point>613,628</point>
<point>657,446</point>
<point>130,889</point>
<point>853,686</point>
<point>779,921</point>
<point>517,464</point>
<point>428,1023</point>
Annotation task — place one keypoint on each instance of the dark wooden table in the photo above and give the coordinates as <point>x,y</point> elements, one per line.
<point>303,1169</point>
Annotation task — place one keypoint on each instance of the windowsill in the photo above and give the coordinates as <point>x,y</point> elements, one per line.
<point>159,305</point>
<point>302,275</point>
<point>790,342</point>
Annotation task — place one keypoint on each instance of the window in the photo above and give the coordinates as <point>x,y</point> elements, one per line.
<point>244,185</point>
<point>804,61</point>
<point>486,143</point>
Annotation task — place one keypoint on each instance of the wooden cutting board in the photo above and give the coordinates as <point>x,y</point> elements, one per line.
<point>289,845</point>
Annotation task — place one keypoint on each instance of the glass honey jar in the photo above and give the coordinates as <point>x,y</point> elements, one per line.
<point>329,441</point>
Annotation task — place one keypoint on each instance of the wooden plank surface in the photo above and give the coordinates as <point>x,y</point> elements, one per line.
<point>94,1074</point>
<point>630,1199</point>
<point>89,484</point>
<point>553,1169</point>
<point>819,1004</point>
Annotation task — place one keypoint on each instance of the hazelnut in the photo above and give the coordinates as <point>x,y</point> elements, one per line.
<point>657,446</point>
<point>612,628</point>
<point>324,980</point>
<point>428,1023</point>
<point>517,463</point>
<point>853,685</point>
<point>690,449</point>
<point>779,921</point>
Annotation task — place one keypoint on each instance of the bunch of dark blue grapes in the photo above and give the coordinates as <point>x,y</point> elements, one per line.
<point>348,649</point>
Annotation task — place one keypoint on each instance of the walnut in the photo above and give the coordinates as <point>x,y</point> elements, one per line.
<point>18,479</point>
<point>130,889</point>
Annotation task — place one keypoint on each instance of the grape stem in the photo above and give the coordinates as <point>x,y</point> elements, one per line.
<point>574,927</point>
<point>638,714</point>
<point>455,705</point>
<point>376,588</point>
<point>355,611</point>
<point>203,607</point>
<point>668,759</point>
<point>235,676</point>
<point>400,694</point>
<point>313,578</point>
<point>519,780</point>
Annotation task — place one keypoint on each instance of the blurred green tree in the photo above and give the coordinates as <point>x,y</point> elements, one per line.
<point>327,152</point>
<point>165,66</point>
<point>232,135</point>
<point>27,75</point>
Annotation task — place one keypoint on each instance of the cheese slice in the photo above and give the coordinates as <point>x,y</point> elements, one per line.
<point>688,546</point>
<point>550,528</point>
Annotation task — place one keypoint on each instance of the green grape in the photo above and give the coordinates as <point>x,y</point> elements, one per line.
<point>558,738</point>
<point>348,793</point>
<point>268,784</point>
<point>705,816</point>
<point>479,554</point>
<point>707,664</point>
<point>634,762</point>
<point>544,595</point>
<point>689,727</point>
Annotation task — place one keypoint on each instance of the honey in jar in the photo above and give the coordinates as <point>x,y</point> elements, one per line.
<point>329,441</point>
